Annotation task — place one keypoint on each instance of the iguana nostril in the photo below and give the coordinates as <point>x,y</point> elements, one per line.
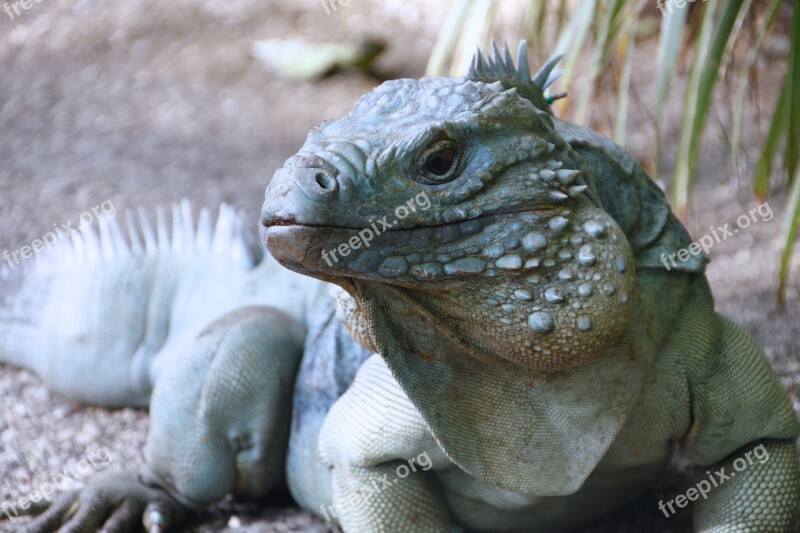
<point>325,181</point>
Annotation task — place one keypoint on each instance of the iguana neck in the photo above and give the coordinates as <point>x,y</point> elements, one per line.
<point>553,427</point>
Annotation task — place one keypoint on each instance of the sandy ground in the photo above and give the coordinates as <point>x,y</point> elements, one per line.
<point>150,102</point>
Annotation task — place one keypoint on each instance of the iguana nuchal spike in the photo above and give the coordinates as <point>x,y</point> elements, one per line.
<point>500,67</point>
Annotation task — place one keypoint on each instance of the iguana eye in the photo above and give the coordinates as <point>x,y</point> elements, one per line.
<point>440,162</point>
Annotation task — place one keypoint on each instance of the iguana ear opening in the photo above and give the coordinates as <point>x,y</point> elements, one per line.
<point>500,67</point>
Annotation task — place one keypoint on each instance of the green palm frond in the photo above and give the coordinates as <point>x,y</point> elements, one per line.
<point>669,44</point>
<point>737,105</point>
<point>792,89</point>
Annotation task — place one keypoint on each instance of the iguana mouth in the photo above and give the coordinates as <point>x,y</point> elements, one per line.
<point>487,218</point>
<point>302,244</point>
<point>389,254</point>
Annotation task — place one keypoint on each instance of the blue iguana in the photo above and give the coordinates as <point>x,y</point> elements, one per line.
<point>502,311</point>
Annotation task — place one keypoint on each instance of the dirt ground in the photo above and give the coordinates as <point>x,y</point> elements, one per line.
<point>148,102</point>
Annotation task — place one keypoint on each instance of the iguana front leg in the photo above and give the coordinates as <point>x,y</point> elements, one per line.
<point>380,450</point>
<point>757,490</point>
<point>741,413</point>
<point>219,424</point>
<point>115,501</point>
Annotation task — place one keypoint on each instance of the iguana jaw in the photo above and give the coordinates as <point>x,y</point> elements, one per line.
<point>316,250</point>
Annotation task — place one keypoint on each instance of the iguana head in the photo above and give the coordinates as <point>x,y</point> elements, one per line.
<point>458,197</point>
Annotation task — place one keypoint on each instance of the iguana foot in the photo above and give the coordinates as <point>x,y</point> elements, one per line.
<point>115,502</point>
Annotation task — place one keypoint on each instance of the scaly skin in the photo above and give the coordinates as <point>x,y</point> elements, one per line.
<point>530,346</point>
<point>525,325</point>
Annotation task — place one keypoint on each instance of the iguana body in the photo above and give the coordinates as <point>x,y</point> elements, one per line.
<point>531,344</point>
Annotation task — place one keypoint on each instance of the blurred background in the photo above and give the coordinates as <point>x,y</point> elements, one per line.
<point>143,103</point>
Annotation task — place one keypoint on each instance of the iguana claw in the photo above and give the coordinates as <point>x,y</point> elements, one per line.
<point>117,501</point>
<point>154,520</point>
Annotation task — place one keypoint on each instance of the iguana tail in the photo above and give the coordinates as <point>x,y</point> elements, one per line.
<point>92,314</point>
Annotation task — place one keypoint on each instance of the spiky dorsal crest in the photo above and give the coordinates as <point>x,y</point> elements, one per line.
<point>499,66</point>
<point>173,233</point>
